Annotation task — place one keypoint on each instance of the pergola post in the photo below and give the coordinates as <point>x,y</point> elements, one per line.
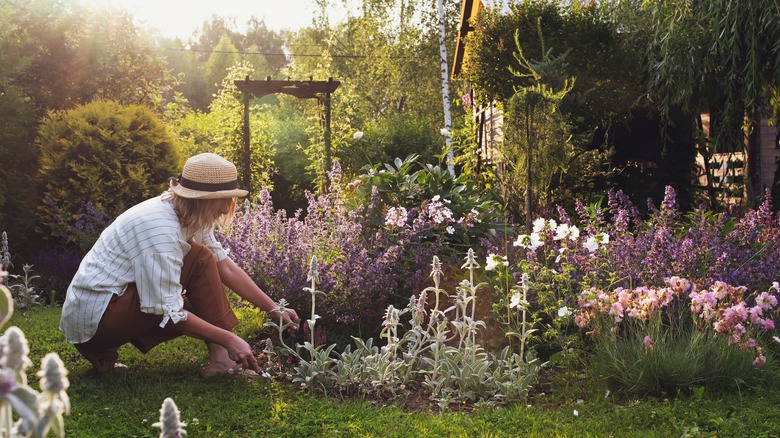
<point>302,90</point>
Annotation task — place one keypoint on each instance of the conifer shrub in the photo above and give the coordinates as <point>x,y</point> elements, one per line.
<point>109,155</point>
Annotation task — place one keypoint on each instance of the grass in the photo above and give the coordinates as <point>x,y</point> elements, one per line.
<point>127,405</point>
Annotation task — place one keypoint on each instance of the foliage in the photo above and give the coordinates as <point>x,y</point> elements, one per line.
<point>711,57</point>
<point>393,43</point>
<point>23,292</point>
<point>222,59</point>
<point>608,84</point>
<point>132,402</point>
<point>612,248</point>
<point>439,354</point>
<point>397,135</point>
<point>535,148</point>
<point>109,154</point>
<point>358,271</point>
<point>421,202</point>
<point>74,54</point>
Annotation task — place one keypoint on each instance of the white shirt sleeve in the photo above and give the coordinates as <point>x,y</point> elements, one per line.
<point>157,278</point>
<point>210,240</point>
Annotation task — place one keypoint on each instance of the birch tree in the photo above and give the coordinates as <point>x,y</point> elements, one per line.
<point>445,89</point>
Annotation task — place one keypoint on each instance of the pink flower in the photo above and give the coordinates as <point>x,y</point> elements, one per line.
<point>769,324</point>
<point>760,360</point>
<point>766,301</point>
<point>617,311</point>
<point>649,346</point>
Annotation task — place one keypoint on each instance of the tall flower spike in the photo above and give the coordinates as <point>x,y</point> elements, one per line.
<point>53,381</point>
<point>471,261</point>
<point>169,424</point>
<point>15,351</point>
<point>313,274</point>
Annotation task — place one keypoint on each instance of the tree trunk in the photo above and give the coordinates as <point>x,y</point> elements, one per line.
<point>530,140</point>
<point>752,151</point>
<point>445,89</point>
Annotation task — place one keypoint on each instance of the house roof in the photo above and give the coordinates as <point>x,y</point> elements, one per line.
<point>469,10</point>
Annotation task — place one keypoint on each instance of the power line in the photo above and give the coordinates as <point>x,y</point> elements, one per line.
<point>286,54</point>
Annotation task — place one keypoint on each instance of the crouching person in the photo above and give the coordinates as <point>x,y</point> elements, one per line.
<point>157,272</point>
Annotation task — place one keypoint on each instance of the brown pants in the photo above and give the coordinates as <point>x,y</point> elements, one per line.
<point>123,322</point>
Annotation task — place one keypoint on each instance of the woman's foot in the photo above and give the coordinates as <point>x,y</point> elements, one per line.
<point>237,370</point>
<point>118,368</point>
<point>220,363</point>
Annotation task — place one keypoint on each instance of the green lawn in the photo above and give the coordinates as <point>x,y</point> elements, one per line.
<point>127,405</point>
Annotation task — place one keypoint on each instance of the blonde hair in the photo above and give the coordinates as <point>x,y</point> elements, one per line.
<point>196,215</point>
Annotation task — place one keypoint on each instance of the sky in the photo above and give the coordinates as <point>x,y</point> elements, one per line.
<point>180,18</point>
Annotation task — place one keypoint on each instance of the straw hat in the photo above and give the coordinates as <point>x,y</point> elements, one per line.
<point>207,176</point>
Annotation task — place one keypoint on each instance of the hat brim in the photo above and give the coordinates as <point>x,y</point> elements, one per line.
<point>199,194</point>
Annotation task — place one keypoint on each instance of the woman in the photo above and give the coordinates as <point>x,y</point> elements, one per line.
<point>157,272</point>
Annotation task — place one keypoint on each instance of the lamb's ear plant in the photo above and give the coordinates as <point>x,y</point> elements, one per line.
<point>440,354</point>
<point>169,424</point>
<point>24,294</point>
<point>37,413</point>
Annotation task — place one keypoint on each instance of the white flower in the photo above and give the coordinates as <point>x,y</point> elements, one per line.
<point>563,312</point>
<point>603,238</point>
<point>576,413</point>
<point>591,244</point>
<point>562,232</point>
<point>515,300</point>
<point>553,225</point>
<point>539,225</point>
<point>495,260</point>
<point>445,132</point>
<point>450,229</point>
<point>357,135</point>
<point>14,350</point>
<point>574,233</point>
<point>536,242</point>
<point>396,217</point>
<point>53,382</point>
<point>531,242</point>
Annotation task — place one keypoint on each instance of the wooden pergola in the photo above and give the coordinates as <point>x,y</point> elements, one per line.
<point>302,90</point>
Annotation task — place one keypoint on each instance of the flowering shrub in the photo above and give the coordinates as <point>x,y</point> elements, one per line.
<point>359,270</point>
<point>614,247</point>
<point>370,254</point>
<point>424,203</point>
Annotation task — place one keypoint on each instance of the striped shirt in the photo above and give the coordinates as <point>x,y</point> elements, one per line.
<point>145,245</point>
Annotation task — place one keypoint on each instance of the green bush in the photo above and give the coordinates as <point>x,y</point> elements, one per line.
<point>109,154</point>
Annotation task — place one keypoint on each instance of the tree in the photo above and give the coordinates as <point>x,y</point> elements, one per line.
<point>76,54</point>
<point>388,60</point>
<point>109,154</point>
<point>715,56</point>
<point>541,147</point>
<point>222,58</point>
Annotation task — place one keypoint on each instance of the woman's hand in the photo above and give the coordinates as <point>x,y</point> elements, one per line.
<point>241,353</point>
<point>289,316</point>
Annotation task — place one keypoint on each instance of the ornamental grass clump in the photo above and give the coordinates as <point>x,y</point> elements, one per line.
<point>663,340</point>
<point>436,350</point>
